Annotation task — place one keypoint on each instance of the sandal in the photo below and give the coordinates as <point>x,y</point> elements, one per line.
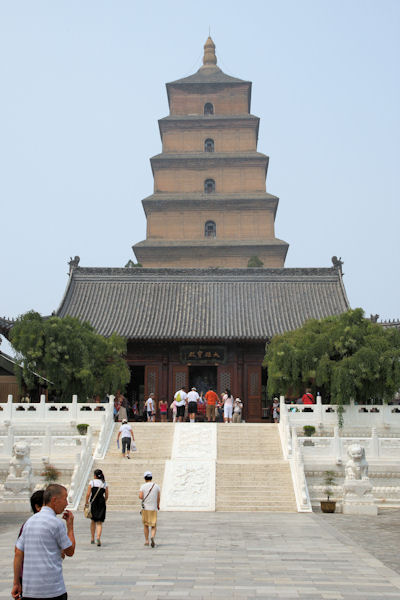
<point>98,542</point>
<point>152,543</point>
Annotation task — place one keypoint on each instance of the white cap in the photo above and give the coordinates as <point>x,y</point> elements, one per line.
<point>124,421</point>
<point>147,474</point>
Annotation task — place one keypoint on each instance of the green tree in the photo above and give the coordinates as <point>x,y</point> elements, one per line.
<point>254,261</point>
<point>346,357</point>
<point>70,354</point>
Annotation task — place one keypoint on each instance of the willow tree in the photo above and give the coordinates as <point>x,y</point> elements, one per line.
<point>345,357</point>
<point>70,355</point>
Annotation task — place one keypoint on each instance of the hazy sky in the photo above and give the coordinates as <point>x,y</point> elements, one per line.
<point>82,87</point>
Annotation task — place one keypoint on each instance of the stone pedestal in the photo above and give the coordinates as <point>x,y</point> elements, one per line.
<point>358,499</point>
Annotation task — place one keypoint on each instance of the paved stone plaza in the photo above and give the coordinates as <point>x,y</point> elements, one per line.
<point>230,555</point>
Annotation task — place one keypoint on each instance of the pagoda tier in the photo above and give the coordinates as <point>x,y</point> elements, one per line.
<point>210,206</point>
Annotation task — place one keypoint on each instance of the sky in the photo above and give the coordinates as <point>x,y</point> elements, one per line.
<point>82,88</point>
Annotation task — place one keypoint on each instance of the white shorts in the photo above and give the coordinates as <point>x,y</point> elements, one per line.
<point>228,411</point>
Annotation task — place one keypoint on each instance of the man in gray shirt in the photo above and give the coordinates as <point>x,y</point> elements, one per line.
<point>39,548</point>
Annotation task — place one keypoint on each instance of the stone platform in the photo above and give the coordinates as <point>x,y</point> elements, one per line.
<point>229,556</point>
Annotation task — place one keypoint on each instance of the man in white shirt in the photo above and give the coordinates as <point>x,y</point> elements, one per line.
<point>180,401</point>
<point>149,494</point>
<point>192,399</point>
<point>150,408</point>
<point>126,434</point>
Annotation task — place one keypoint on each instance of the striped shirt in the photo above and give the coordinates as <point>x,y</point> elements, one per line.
<point>42,540</point>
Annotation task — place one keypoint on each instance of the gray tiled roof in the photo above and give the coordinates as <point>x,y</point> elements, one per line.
<point>210,75</point>
<point>201,304</point>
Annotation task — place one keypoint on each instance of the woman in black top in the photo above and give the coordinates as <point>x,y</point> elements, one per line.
<point>98,493</point>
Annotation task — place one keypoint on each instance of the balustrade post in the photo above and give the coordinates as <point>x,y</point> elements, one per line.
<point>10,439</point>
<point>374,449</point>
<point>8,412</point>
<point>74,407</point>
<point>42,408</point>
<point>337,448</point>
<point>47,442</point>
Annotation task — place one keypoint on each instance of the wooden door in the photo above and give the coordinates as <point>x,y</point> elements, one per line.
<point>226,379</point>
<point>151,381</point>
<point>253,386</point>
<point>180,378</point>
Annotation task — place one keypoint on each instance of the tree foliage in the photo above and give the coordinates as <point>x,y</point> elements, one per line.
<point>69,354</point>
<point>345,357</point>
<point>254,261</point>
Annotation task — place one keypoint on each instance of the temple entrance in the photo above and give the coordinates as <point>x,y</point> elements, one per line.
<point>135,390</point>
<point>203,378</point>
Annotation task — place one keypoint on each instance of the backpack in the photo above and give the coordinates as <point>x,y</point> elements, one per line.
<point>178,397</point>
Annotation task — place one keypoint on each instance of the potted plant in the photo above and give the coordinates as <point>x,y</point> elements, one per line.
<point>82,428</point>
<point>50,473</point>
<point>309,430</point>
<point>328,505</point>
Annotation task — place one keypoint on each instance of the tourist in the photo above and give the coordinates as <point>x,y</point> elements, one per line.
<point>123,406</point>
<point>39,548</point>
<point>163,406</point>
<point>174,410</point>
<point>150,410</point>
<point>117,406</point>
<point>237,410</point>
<point>181,400</point>
<point>126,434</point>
<point>97,494</point>
<point>36,501</point>
<point>212,400</point>
<point>219,410</point>
<point>275,410</point>
<point>201,409</point>
<point>192,399</point>
<point>228,405</point>
<point>308,398</point>
<point>149,494</point>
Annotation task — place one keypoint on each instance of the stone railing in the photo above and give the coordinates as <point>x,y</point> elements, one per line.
<point>292,451</point>
<point>47,445</point>
<point>82,468</point>
<point>106,431</point>
<point>88,412</point>
<point>325,416</point>
<point>335,448</point>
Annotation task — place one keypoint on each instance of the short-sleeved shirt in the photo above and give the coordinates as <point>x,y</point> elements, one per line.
<point>308,398</point>
<point>125,430</point>
<point>193,396</point>
<point>180,398</point>
<point>149,405</point>
<point>163,406</point>
<point>43,538</point>
<point>151,501</point>
<point>211,398</point>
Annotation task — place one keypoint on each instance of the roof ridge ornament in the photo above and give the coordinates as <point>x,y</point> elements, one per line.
<point>209,58</point>
<point>337,263</point>
<point>73,263</point>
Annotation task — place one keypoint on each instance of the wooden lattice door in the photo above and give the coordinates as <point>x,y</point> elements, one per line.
<point>254,408</point>
<point>180,378</point>
<point>151,381</point>
<point>225,379</point>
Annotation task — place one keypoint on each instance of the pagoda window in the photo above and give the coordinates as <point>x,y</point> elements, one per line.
<point>210,229</point>
<point>209,186</point>
<point>209,145</point>
<point>208,109</point>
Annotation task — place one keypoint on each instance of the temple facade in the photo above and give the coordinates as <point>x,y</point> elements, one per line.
<point>196,313</point>
<point>210,207</point>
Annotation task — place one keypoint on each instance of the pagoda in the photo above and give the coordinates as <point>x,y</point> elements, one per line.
<point>210,207</point>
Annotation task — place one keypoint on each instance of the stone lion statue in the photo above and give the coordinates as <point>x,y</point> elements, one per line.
<point>20,464</point>
<point>356,466</point>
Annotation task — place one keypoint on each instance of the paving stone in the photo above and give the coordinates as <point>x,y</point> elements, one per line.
<point>208,556</point>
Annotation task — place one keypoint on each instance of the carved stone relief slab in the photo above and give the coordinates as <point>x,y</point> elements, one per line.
<point>189,485</point>
<point>195,440</point>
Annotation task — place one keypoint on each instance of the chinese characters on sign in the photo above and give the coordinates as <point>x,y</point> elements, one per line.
<point>202,354</point>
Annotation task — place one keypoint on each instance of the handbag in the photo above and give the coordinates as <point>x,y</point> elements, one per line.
<point>145,498</point>
<point>87,509</point>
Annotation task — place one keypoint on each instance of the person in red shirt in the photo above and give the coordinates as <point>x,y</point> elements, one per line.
<point>308,398</point>
<point>163,406</point>
<point>211,399</point>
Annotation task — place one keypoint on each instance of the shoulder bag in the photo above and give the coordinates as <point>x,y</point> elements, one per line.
<point>146,497</point>
<point>87,510</point>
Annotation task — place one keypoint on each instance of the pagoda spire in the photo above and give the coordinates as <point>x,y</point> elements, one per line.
<point>209,58</point>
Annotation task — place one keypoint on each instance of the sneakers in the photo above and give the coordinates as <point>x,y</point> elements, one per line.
<point>98,542</point>
<point>152,543</point>
<point>128,456</point>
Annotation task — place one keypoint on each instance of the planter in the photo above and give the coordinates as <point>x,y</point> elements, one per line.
<point>308,443</point>
<point>82,428</point>
<point>328,506</point>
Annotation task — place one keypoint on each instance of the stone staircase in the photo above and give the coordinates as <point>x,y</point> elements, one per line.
<point>251,474</point>
<point>124,477</point>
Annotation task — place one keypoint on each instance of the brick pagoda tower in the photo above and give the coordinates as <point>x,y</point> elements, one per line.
<point>210,207</point>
